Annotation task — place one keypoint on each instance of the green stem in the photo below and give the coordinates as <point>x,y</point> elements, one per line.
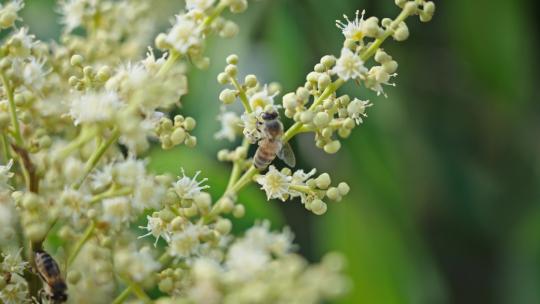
<point>136,289</point>
<point>244,180</point>
<point>12,110</point>
<point>96,156</point>
<point>173,57</point>
<point>217,11</point>
<point>110,193</point>
<point>164,260</point>
<point>236,170</point>
<point>5,148</point>
<point>242,94</point>
<point>85,136</point>
<point>86,236</point>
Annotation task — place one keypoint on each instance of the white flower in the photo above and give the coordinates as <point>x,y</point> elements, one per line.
<point>5,175</point>
<point>130,171</point>
<point>275,184</point>
<point>139,264</point>
<point>116,210</point>
<point>33,74</point>
<point>73,203</point>
<point>357,109</point>
<point>299,178</point>
<point>101,179</point>
<point>24,40</point>
<point>147,194</point>
<point>184,244</point>
<point>73,12</point>
<point>349,66</point>
<point>14,293</point>
<point>261,99</point>
<point>230,125</point>
<point>13,263</point>
<point>8,13</point>
<point>151,64</point>
<point>188,188</point>
<point>353,29</point>
<point>184,34</point>
<point>95,107</point>
<point>252,126</point>
<point>199,4</point>
<point>157,228</point>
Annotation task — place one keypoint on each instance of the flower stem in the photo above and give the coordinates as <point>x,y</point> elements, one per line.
<point>164,260</point>
<point>136,289</point>
<point>246,178</point>
<point>12,110</point>
<point>242,95</point>
<point>173,57</point>
<point>217,11</point>
<point>236,170</point>
<point>96,156</point>
<point>84,136</point>
<point>112,192</point>
<point>86,236</point>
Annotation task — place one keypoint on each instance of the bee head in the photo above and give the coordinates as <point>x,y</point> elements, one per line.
<point>269,115</point>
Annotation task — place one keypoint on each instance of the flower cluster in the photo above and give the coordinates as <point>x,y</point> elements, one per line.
<point>285,184</point>
<point>77,115</point>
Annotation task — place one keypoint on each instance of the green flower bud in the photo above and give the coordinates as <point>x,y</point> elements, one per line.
<point>104,73</point>
<point>323,181</point>
<point>36,231</point>
<point>319,68</point>
<point>178,223</point>
<point>332,147</point>
<point>328,61</point>
<point>229,30</point>
<point>251,81</point>
<point>313,77</point>
<point>161,42</point>
<point>302,93</point>
<point>73,277</point>
<point>327,132</point>
<point>191,141</point>
<point>381,56</point>
<point>189,123</point>
<point>232,59</point>
<point>76,60</point>
<point>321,119</point>
<point>324,80</point>
<point>343,188</point>
<point>88,71</point>
<point>306,117</point>
<point>31,201</point>
<point>333,194</point>
<point>318,207</point>
<point>344,133</point>
<point>239,211</point>
<point>178,136</point>
<point>166,285</point>
<point>223,78</point>
<point>191,211</point>
<point>224,226</point>
<point>390,66</point>
<point>4,120</point>
<point>231,70</point>
<point>227,96</point>
<point>226,205</point>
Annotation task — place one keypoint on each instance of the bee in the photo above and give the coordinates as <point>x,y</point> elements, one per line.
<point>48,270</point>
<point>271,145</point>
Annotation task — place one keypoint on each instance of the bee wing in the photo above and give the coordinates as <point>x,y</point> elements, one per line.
<point>287,155</point>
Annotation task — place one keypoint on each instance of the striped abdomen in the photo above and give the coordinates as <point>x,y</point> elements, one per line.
<point>266,153</point>
<point>50,273</point>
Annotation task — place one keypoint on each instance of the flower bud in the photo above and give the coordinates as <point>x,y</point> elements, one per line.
<point>227,96</point>
<point>189,123</point>
<point>343,188</point>
<point>333,194</point>
<point>229,30</point>
<point>321,119</point>
<point>239,211</point>
<point>224,226</point>
<point>401,33</point>
<point>232,59</point>
<point>318,207</point>
<point>328,61</point>
<point>332,147</point>
<point>178,136</point>
<point>76,60</point>
<point>324,80</point>
<point>223,78</point>
<point>306,117</point>
<point>73,277</point>
<point>231,70</point>
<point>191,141</point>
<point>251,81</point>
<point>161,42</point>
<point>323,181</point>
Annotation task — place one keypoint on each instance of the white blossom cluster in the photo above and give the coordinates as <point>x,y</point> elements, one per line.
<point>78,115</point>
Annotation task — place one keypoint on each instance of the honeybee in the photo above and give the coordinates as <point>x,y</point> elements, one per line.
<point>271,145</point>
<point>48,270</point>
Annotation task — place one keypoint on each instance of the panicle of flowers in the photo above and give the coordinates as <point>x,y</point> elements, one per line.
<point>255,98</point>
<point>13,287</point>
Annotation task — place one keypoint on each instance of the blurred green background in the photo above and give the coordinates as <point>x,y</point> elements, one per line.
<point>444,206</point>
